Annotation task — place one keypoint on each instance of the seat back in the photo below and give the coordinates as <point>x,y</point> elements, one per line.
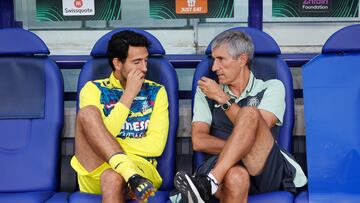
<point>160,71</point>
<point>266,65</point>
<point>31,114</point>
<point>332,128</point>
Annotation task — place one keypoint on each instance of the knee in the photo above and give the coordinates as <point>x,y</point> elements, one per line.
<point>237,180</point>
<point>111,182</point>
<point>86,113</point>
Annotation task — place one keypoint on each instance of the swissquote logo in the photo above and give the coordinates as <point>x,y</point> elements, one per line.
<point>191,6</point>
<point>78,3</point>
<point>78,7</point>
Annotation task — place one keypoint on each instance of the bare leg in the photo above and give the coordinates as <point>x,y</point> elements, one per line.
<point>94,145</point>
<point>235,186</point>
<point>250,141</point>
<point>112,187</point>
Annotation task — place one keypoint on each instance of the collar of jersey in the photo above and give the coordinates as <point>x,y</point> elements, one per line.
<point>114,81</point>
<point>245,93</point>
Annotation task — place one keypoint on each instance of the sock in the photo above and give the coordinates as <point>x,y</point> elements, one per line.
<point>123,165</point>
<point>214,183</point>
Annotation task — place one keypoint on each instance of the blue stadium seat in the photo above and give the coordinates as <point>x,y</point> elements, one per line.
<point>159,70</point>
<point>266,65</point>
<point>332,115</point>
<point>303,197</point>
<point>31,119</point>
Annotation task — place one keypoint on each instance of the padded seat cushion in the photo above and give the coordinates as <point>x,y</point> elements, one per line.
<point>302,197</point>
<point>22,87</point>
<point>331,107</point>
<point>28,197</point>
<point>80,197</point>
<point>272,197</point>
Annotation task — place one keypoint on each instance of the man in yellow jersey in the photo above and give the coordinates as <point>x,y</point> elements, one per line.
<point>122,126</point>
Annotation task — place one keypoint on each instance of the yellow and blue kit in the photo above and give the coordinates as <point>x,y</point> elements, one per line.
<point>141,130</point>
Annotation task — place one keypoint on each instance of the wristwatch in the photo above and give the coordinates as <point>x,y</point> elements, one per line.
<point>226,106</point>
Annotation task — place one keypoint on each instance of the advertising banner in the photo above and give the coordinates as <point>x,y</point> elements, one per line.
<point>68,10</point>
<point>178,9</point>
<point>315,8</point>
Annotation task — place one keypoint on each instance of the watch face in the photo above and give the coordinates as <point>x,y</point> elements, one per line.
<point>225,106</point>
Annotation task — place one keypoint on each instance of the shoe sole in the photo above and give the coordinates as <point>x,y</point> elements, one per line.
<point>147,195</point>
<point>147,191</point>
<point>187,188</point>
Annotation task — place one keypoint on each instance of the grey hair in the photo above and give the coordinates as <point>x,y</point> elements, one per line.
<point>238,43</point>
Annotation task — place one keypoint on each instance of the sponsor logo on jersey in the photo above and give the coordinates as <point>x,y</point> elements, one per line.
<point>135,129</point>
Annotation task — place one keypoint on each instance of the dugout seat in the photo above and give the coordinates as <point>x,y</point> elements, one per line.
<point>160,71</point>
<point>331,88</point>
<point>31,119</point>
<point>266,65</point>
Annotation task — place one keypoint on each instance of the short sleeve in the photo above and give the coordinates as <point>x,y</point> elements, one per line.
<point>274,99</point>
<point>201,108</point>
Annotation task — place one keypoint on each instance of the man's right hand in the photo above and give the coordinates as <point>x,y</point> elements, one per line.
<point>134,81</point>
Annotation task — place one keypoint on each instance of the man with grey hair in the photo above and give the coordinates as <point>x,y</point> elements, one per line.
<point>236,120</point>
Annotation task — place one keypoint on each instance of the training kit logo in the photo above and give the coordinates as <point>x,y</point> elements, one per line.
<point>253,101</point>
<point>78,7</point>
<point>315,5</point>
<point>191,6</point>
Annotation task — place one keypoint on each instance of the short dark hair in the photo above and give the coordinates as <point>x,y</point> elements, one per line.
<point>119,43</point>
